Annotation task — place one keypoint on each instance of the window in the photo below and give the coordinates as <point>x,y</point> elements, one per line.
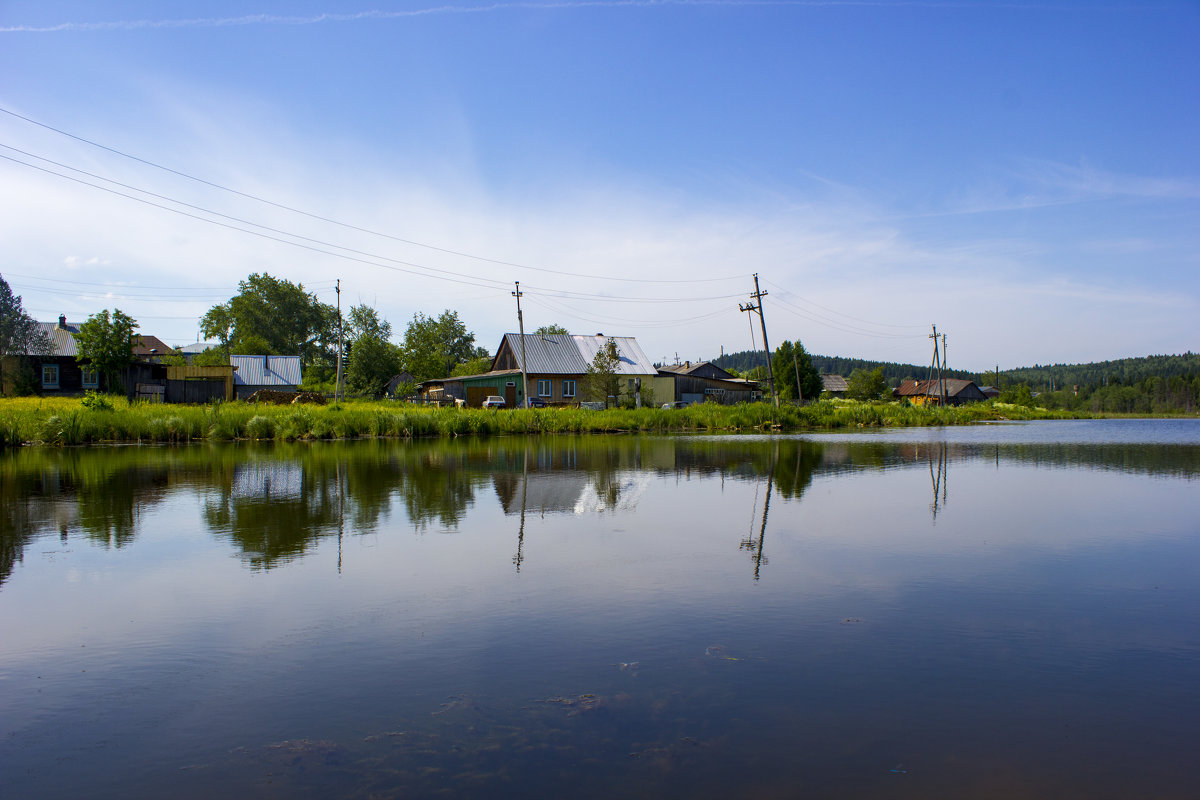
<point>568,388</point>
<point>49,376</point>
<point>91,379</point>
<point>544,389</point>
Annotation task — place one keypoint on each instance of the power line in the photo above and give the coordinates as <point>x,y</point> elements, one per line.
<point>350,254</point>
<point>347,225</point>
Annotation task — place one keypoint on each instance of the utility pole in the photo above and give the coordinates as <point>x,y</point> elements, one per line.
<point>758,309</point>
<point>945,366</point>
<point>521,326</point>
<point>935,366</point>
<point>337,386</point>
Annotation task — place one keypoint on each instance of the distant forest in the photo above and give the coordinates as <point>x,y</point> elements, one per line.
<point>1148,385</point>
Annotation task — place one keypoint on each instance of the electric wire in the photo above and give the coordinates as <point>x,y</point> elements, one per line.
<point>349,226</point>
<point>349,254</point>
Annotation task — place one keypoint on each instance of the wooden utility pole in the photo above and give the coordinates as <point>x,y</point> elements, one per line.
<point>759,295</point>
<point>945,366</point>
<point>521,326</point>
<point>337,385</point>
<point>935,366</point>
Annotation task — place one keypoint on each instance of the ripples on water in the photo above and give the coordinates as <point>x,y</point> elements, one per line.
<point>1003,610</point>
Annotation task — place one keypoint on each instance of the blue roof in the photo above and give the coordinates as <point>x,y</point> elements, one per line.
<point>266,370</point>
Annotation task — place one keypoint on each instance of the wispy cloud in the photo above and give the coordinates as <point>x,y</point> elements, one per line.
<point>488,8</point>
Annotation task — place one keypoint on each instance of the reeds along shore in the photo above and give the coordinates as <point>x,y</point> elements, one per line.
<point>68,421</point>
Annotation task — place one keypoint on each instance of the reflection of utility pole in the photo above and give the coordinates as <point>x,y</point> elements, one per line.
<point>758,309</point>
<point>756,547</point>
<point>519,557</point>
<point>940,481</point>
<point>341,514</point>
<point>521,326</point>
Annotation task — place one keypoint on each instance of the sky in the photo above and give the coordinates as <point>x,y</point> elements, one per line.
<point>1023,175</point>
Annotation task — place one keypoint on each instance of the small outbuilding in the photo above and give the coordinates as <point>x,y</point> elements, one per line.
<point>252,373</point>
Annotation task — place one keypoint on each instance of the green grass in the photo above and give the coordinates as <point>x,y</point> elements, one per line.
<point>67,421</point>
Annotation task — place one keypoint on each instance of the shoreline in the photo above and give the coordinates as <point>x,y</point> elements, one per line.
<point>41,422</point>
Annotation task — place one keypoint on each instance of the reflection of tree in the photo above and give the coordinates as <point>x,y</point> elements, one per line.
<point>274,509</point>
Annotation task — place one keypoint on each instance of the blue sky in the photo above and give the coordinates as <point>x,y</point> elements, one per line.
<point>1024,175</point>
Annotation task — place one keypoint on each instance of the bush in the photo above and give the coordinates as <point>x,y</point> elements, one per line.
<point>260,427</point>
<point>96,402</point>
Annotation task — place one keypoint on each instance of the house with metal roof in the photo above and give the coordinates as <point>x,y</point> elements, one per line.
<point>956,391</point>
<point>252,373</point>
<point>555,365</point>
<point>59,371</point>
<point>703,381</point>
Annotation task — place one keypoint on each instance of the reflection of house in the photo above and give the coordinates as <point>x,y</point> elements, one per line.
<point>265,372</point>
<point>704,380</point>
<point>834,384</point>
<point>570,492</point>
<point>555,366</point>
<point>268,480</point>
<point>957,392</point>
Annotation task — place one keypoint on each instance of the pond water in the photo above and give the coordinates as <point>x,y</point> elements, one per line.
<point>994,611</point>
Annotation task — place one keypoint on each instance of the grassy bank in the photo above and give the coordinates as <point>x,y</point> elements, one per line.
<point>67,421</point>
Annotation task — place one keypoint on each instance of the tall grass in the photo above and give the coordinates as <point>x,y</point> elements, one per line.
<point>67,421</point>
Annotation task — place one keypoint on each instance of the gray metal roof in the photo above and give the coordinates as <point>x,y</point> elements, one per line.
<point>62,340</point>
<point>266,370</point>
<point>198,347</point>
<point>566,354</point>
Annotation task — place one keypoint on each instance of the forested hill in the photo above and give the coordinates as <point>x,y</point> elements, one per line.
<point>893,373</point>
<point>1124,371</point>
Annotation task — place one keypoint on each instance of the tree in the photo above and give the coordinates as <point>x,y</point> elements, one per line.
<point>433,346</point>
<point>551,330</point>
<point>211,357</point>
<point>866,384</point>
<point>373,362</point>
<point>476,366</point>
<point>20,335</point>
<point>600,382</point>
<point>278,314</point>
<point>365,321</point>
<point>788,357</point>
<point>217,324</point>
<point>105,342</point>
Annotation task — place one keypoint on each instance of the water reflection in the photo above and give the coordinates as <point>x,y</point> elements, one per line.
<point>274,503</point>
<point>693,616</point>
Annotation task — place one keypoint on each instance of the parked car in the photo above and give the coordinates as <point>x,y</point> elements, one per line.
<point>537,402</point>
<point>676,404</point>
<point>493,401</point>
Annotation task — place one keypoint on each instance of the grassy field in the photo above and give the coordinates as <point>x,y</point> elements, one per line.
<point>68,421</point>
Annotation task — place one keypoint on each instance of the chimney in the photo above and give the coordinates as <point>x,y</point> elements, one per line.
<point>62,322</point>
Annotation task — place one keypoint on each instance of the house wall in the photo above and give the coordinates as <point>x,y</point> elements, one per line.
<point>689,387</point>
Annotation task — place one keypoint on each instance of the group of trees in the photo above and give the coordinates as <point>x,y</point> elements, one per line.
<point>20,338</point>
<point>104,343</point>
<point>273,316</point>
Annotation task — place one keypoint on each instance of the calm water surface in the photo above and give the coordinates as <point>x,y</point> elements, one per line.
<point>996,611</point>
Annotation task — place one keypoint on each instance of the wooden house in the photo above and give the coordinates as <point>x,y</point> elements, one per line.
<point>704,381</point>
<point>956,390</point>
